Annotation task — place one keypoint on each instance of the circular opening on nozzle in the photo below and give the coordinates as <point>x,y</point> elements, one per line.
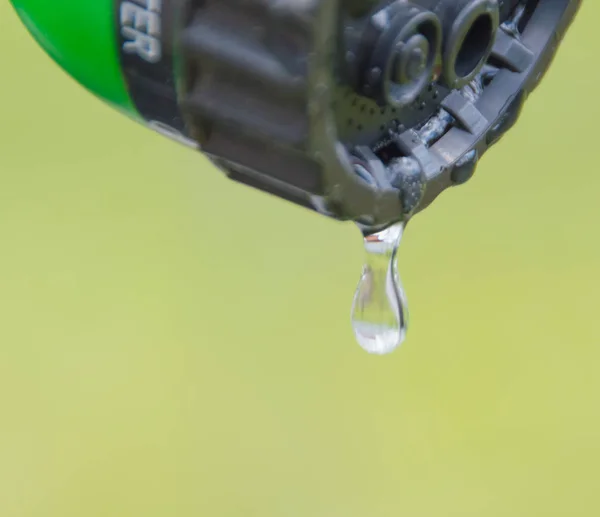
<point>475,46</point>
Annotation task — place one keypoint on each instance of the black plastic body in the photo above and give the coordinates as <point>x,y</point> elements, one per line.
<point>269,91</point>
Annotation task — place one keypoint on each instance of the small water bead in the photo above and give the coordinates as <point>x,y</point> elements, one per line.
<point>379,310</point>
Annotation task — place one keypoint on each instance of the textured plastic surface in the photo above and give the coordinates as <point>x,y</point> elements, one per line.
<point>361,110</point>
<point>268,82</point>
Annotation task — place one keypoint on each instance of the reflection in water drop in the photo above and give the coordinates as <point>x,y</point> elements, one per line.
<point>379,311</point>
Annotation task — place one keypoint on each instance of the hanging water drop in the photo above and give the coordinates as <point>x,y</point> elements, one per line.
<point>379,311</point>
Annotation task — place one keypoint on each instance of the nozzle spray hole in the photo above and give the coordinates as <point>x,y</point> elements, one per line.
<point>475,46</point>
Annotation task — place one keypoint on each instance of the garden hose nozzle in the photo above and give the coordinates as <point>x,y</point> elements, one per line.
<point>362,110</point>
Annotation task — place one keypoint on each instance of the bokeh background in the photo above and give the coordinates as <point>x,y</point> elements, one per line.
<point>174,344</point>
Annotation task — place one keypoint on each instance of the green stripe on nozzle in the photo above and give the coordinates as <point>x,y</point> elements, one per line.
<point>80,36</point>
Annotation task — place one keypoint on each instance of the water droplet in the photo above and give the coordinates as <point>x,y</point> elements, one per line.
<point>379,311</point>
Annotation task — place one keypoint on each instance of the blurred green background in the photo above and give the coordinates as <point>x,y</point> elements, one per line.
<point>174,344</point>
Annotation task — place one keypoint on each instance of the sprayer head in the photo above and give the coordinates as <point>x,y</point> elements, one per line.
<point>361,110</point>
